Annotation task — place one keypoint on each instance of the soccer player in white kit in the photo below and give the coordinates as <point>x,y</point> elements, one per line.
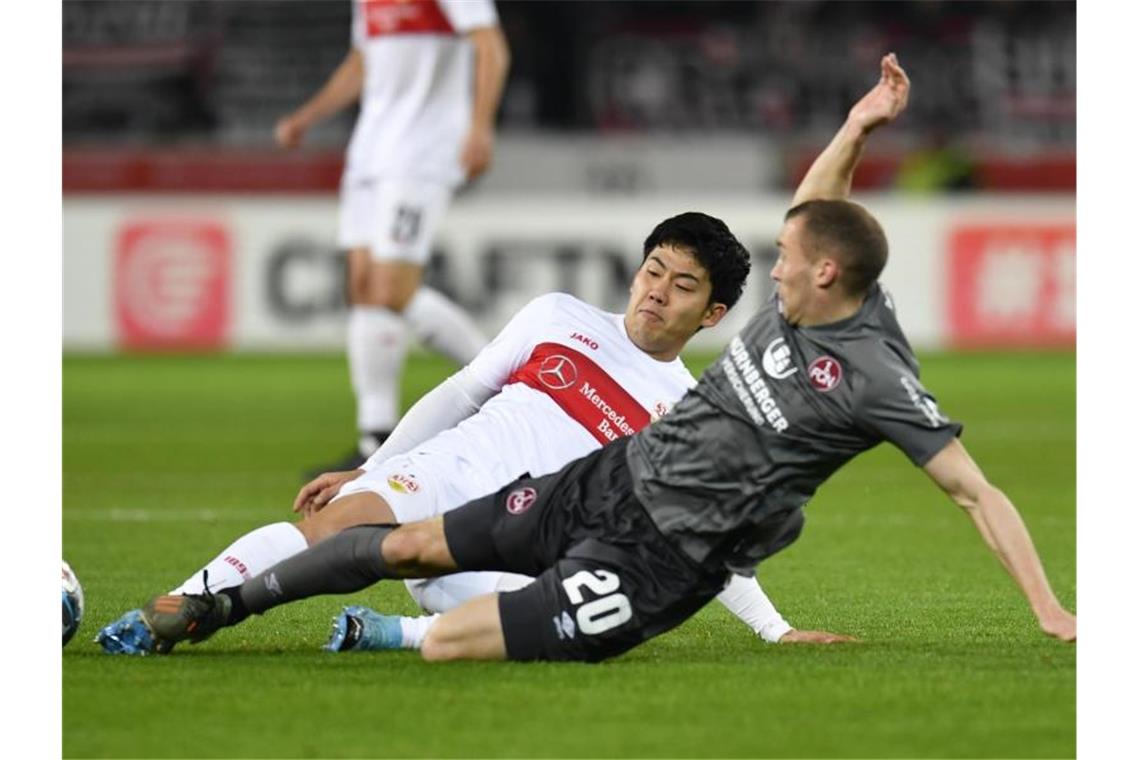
<point>560,380</point>
<point>429,76</point>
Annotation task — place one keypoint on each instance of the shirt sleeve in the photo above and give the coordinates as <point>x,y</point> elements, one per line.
<point>512,346</point>
<point>465,15</point>
<point>899,409</point>
<point>452,401</point>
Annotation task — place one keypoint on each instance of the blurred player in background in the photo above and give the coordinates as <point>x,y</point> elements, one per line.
<point>634,538</point>
<point>560,380</point>
<point>422,130</point>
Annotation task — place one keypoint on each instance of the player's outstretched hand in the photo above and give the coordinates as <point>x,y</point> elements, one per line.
<point>815,637</point>
<point>1060,624</point>
<point>319,491</point>
<point>886,100</point>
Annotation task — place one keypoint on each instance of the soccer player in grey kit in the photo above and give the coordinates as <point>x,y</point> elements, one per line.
<point>628,542</point>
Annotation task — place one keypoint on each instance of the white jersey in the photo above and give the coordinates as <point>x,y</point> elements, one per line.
<point>569,380</point>
<point>415,105</point>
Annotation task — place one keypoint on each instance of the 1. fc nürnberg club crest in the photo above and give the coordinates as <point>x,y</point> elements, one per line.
<point>520,500</point>
<point>825,373</point>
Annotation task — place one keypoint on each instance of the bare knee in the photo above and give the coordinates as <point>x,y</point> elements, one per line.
<point>356,509</point>
<point>417,548</point>
<point>388,284</point>
<point>438,649</point>
<point>312,532</point>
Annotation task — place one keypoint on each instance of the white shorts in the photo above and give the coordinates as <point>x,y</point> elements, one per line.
<point>447,592</point>
<point>394,219</point>
<point>407,484</point>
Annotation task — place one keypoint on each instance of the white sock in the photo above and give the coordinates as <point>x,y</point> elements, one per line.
<point>415,629</point>
<point>377,343</point>
<point>254,552</point>
<point>442,326</point>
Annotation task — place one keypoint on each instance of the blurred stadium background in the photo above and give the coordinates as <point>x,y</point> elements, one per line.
<point>185,227</point>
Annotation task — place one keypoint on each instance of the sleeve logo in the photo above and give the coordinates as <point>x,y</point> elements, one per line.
<point>923,402</point>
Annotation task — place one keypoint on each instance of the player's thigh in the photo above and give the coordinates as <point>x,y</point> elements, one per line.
<point>362,508</point>
<point>391,283</point>
<point>596,604</point>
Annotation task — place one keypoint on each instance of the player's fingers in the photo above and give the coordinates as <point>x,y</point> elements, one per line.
<point>301,500</point>
<point>326,495</point>
<point>308,489</point>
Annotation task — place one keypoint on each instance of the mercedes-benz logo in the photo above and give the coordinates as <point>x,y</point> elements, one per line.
<point>557,372</point>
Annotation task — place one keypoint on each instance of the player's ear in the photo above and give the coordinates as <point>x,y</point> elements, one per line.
<point>713,314</point>
<point>826,272</point>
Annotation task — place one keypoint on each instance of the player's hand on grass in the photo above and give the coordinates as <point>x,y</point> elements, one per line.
<point>795,636</point>
<point>1060,624</point>
<point>886,100</point>
<point>319,491</point>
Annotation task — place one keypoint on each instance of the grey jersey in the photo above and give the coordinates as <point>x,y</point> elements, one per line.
<point>726,473</point>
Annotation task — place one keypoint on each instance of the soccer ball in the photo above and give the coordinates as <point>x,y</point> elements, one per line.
<point>72,603</point>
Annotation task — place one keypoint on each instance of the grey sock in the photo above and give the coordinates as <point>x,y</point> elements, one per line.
<point>341,564</point>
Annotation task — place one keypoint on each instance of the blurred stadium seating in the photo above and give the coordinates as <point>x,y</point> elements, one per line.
<point>687,102</point>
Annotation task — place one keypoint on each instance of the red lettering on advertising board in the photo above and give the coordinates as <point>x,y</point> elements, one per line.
<point>1012,285</point>
<point>172,284</point>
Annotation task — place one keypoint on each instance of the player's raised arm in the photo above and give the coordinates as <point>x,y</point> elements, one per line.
<point>829,177</point>
<point>1000,525</point>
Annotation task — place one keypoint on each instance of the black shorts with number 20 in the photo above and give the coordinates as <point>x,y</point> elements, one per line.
<point>606,579</point>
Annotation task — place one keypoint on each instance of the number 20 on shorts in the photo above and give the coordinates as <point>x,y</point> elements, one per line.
<point>608,611</point>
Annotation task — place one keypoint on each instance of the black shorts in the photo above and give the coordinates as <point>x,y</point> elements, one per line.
<point>606,579</point>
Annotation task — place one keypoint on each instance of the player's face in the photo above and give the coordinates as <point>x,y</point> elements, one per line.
<point>793,271</point>
<point>669,302</point>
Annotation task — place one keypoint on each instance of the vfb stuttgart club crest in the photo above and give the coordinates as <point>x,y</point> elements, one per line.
<point>521,499</point>
<point>825,373</point>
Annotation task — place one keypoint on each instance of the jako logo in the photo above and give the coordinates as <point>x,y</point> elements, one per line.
<point>520,500</point>
<point>584,339</point>
<point>825,373</point>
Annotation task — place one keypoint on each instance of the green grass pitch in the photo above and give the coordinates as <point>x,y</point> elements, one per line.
<point>168,458</point>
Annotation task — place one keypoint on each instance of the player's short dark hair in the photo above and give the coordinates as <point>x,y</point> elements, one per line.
<point>848,232</point>
<point>713,245</point>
